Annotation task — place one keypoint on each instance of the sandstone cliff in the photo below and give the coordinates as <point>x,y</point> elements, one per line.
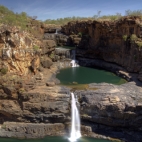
<point>17,50</point>
<point>117,42</point>
<point>23,57</point>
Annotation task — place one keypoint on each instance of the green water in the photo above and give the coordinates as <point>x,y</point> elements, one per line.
<point>52,139</point>
<point>85,75</point>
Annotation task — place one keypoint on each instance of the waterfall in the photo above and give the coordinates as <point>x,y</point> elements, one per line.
<point>75,120</point>
<point>67,56</point>
<point>62,51</point>
<point>56,31</point>
<point>74,61</point>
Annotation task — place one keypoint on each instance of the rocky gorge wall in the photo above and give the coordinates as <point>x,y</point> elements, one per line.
<point>23,58</point>
<point>117,42</point>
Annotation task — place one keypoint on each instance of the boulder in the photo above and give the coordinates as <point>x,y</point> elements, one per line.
<point>46,62</point>
<point>50,83</point>
<point>35,64</point>
<point>47,46</point>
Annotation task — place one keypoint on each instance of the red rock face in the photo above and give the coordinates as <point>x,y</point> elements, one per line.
<point>110,41</point>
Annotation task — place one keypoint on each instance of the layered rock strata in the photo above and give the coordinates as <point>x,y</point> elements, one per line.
<point>106,109</point>
<point>117,42</point>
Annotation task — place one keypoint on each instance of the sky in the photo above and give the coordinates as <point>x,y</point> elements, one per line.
<point>53,9</point>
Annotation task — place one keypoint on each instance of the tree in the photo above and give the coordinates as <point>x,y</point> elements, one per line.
<point>99,12</point>
<point>34,17</point>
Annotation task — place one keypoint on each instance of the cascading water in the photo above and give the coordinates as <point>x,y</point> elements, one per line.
<point>66,57</point>
<point>75,120</point>
<point>56,31</point>
<point>63,51</point>
<point>74,61</point>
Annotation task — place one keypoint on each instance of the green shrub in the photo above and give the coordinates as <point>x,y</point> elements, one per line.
<point>110,17</point>
<point>52,55</point>
<point>80,34</point>
<point>4,71</point>
<point>139,44</point>
<point>8,17</point>
<point>133,37</point>
<point>133,13</point>
<point>124,37</point>
<point>21,90</point>
<point>36,47</point>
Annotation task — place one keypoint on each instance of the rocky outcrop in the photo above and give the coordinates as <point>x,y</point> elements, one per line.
<point>53,32</point>
<point>106,109</point>
<point>118,108</point>
<point>21,60</point>
<point>22,54</point>
<point>117,42</point>
<point>18,50</point>
<point>46,62</point>
<point>36,112</point>
<point>47,46</point>
<point>36,106</point>
<point>31,130</point>
<point>36,28</point>
<point>59,38</point>
<point>51,28</point>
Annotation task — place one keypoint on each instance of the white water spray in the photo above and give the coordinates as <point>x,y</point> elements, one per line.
<point>74,62</point>
<point>75,120</point>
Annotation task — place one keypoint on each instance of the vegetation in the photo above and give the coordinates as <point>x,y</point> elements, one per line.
<point>21,19</point>
<point>133,37</point>
<point>80,34</point>
<point>98,16</point>
<point>4,71</point>
<point>133,13</point>
<point>139,43</point>
<point>52,56</point>
<point>124,37</point>
<point>21,90</point>
<point>36,48</point>
<point>110,17</point>
<point>8,17</point>
<point>62,21</point>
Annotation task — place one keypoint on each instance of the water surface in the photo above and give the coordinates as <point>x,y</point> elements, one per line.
<point>85,75</point>
<point>52,139</point>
